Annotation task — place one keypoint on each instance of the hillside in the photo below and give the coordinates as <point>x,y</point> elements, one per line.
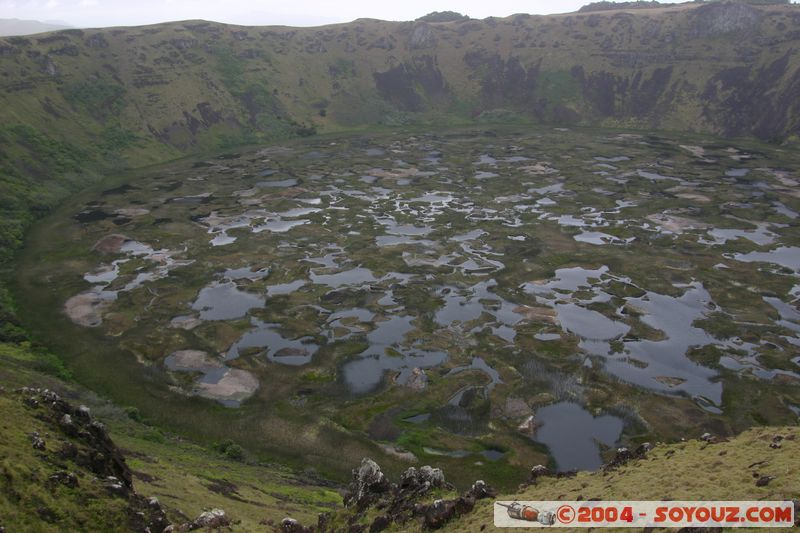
<point>54,478</point>
<point>77,101</point>
<point>727,470</point>
<point>72,474</point>
<point>722,68</point>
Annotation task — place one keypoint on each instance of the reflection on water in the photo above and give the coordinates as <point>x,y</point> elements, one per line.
<point>785,256</point>
<point>285,288</point>
<point>668,358</point>
<point>352,277</point>
<point>291,182</point>
<point>589,324</point>
<point>276,347</point>
<point>224,301</point>
<point>661,365</point>
<point>366,372</point>
<point>572,434</point>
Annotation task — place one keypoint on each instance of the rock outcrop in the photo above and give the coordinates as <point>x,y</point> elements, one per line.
<point>368,484</point>
<point>76,439</point>
<point>406,502</point>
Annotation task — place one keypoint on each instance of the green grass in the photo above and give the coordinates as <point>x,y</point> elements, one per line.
<point>186,478</point>
<point>692,470</point>
<point>97,98</point>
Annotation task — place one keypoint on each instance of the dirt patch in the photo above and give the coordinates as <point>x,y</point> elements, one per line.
<point>192,360</point>
<point>697,151</point>
<point>676,224</point>
<point>516,408</point>
<point>694,197</point>
<point>86,309</point>
<point>670,381</point>
<point>224,487</point>
<point>110,244</point>
<point>395,173</point>
<point>132,211</point>
<point>185,322</point>
<point>537,314</point>
<point>400,454</point>
<point>539,169</point>
<point>236,385</point>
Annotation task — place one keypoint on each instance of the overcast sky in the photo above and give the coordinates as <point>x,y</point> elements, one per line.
<point>95,13</point>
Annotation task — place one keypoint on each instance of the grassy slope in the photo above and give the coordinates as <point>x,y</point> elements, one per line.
<point>693,470</point>
<point>186,479</point>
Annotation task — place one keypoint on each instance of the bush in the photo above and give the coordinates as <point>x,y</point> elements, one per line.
<point>230,449</point>
<point>235,452</point>
<point>133,413</point>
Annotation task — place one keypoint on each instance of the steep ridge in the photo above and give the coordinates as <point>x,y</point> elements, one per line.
<point>724,68</point>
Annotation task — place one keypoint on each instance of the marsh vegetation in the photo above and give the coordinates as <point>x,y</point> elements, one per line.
<point>446,297</point>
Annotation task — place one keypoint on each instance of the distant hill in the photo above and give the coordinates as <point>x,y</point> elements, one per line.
<point>10,27</point>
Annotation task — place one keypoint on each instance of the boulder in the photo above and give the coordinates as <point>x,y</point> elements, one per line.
<point>464,504</point>
<point>537,472</point>
<point>379,524</point>
<point>763,481</point>
<point>67,426</point>
<point>37,442</point>
<point>215,518</point>
<point>418,380</point>
<point>368,484</point>
<point>370,491</point>
<point>622,456</point>
<point>422,480</point>
<point>110,244</point>
<point>84,413</point>
<point>439,513</point>
<point>290,525</point>
<point>643,449</point>
<point>68,479</point>
<point>115,487</point>
<point>481,490</point>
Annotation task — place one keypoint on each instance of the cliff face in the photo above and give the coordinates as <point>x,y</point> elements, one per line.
<point>729,69</point>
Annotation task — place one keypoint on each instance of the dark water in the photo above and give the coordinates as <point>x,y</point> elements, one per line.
<point>572,435</point>
<point>365,373</point>
<point>290,182</point>
<point>276,347</point>
<point>224,301</point>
